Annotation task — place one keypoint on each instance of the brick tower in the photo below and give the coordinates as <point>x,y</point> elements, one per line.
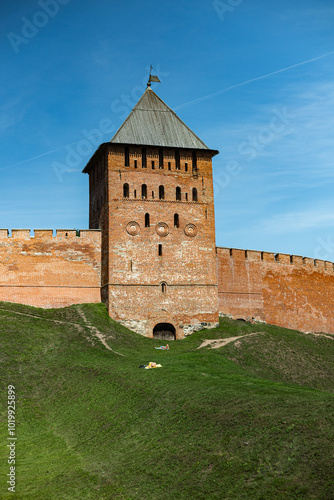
<point>151,194</point>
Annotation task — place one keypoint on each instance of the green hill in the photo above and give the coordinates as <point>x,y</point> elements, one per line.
<point>250,420</point>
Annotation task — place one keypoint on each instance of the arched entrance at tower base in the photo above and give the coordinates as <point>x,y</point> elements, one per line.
<point>164,331</point>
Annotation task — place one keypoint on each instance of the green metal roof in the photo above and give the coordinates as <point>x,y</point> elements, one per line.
<point>153,123</point>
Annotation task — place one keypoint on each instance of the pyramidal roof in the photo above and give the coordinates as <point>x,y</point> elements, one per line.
<point>153,123</point>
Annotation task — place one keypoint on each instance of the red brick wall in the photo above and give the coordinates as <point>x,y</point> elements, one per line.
<point>280,289</point>
<point>132,270</point>
<point>50,271</point>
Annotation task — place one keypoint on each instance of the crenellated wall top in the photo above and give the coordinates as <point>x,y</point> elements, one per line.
<point>87,235</point>
<point>277,258</point>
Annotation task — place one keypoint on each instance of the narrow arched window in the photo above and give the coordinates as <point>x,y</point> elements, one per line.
<point>177,160</point>
<point>163,287</point>
<point>176,220</point>
<point>143,158</point>
<point>161,158</point>
<point>194,161</point>
<point>126,190</point>
<point>195,197</point>
<point>126,156</point>
<point>161,193</point>
<point>147,220</point>
<point>178,194</point>
<point>144,191</point>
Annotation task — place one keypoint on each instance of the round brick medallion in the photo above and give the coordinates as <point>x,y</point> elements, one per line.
<point>162,229</point>
<point>133,228</point>
<point>190,230</point>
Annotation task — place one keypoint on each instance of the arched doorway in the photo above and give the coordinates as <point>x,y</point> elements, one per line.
<point>164,331</point>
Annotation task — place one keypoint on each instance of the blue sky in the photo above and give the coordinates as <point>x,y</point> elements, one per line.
<point>253,78</point>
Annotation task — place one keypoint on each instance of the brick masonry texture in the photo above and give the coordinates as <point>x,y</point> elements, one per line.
<point>50,271</point>
<point>288,291</point>
<point>150,254</point>
<point>118,260</point>
<point>140,287</point>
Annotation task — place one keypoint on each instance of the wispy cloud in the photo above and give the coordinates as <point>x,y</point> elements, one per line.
<point>308,152</point>
<point>285,192</point>
<point>301,153</point>
<point>11,113</point>
<point>246,82</point>
<point>313,217</point>
<point>319,12</point>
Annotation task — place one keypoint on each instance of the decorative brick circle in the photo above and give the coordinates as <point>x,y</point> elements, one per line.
<point>162,229</point>
<point>190,230</point>
<point>133,228</point>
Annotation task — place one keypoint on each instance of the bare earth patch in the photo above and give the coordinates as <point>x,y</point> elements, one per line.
<point>217,343</point>
<point>97,333</point>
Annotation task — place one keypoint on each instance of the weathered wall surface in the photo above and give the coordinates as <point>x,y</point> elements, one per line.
<point>289,291</point>
<point>50,271</point>
<point>134,224</point>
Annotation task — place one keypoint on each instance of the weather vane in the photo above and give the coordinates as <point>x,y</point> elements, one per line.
<point>152,78</point>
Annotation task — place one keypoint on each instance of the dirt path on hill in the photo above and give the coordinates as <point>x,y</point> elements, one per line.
<point>97,333</point>
<point>213,343</point>
<point>93,329</point>
<point>217,343</point>
<point>39,317</point>
<point>327,335</point>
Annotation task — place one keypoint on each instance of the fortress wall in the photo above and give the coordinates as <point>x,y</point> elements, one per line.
<point>239,283</point>
<point>50,271</point>
<point>288,291</point>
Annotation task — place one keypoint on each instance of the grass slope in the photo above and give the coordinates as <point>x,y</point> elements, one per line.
<point>251,420</point>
